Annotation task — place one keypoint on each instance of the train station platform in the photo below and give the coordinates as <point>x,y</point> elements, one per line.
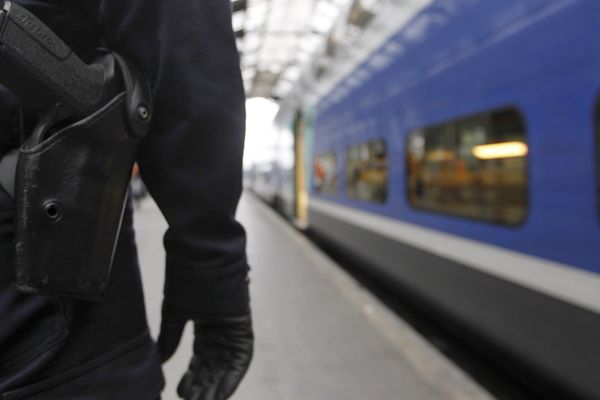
<point>319,334</point>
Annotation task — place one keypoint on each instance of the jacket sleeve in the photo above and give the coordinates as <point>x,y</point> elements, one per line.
<point>191,160</point>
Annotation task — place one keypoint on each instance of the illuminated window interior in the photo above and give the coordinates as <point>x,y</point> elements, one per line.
<point>325,176</point>
<point>367,171</point>
<point>475,168</point>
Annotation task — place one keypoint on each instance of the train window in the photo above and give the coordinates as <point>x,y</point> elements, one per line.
<point>474,168</point>
<point>325,175</point>
<point>367,171</point>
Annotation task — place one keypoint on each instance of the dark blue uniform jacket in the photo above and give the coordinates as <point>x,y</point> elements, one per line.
<point>56,348</point>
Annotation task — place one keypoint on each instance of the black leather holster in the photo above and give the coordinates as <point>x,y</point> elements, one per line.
<point>70,194</point>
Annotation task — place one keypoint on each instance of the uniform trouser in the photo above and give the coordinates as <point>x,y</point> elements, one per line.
<point>59,348</point>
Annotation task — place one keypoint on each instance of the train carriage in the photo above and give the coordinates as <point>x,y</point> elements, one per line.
<point>457,154</point>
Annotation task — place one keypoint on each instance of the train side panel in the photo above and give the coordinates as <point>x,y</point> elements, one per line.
<point>530,289</point>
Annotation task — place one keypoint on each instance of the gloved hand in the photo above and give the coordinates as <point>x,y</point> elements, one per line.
<point>223,348</point>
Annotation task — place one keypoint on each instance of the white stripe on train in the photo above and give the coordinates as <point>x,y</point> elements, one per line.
<point>552,278</point>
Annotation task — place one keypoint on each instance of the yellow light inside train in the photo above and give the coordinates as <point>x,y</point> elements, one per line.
<point>440,155</point>
<point>500,150</point>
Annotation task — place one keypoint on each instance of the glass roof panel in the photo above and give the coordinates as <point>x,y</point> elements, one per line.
<point>277,38</point>
<point>238,20</point>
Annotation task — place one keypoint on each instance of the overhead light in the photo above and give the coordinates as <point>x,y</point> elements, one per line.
<point>500,150</point>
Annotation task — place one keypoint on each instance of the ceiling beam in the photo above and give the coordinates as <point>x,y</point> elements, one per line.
<point>239,5</point>
<point>240,33</point>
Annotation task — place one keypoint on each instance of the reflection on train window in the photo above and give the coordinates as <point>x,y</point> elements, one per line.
<point>367,171</point>
<point>475,168</point>
<point>325,174</point>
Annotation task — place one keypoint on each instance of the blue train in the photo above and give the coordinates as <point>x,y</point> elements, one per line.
<point>453,145</point>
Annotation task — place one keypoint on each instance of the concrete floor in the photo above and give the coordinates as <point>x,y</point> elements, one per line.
<point>320,335</point>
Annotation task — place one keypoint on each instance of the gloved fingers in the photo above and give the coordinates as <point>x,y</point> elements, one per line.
<point>171,330</point>
<point>208,385</point>
<point>185,387</point>
<point>208,380</point>
<point>229,383</point>
<point>196,394</point>
<point>223,348</point>
<point>208,393</point>
<point>197,386</point>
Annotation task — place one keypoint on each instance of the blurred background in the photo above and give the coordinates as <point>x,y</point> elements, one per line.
<point>422,199</point>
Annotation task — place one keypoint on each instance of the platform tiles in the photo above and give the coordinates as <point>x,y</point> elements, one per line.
<point>319,334</point>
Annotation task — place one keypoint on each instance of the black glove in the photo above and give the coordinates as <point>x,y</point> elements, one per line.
<point>223,348</point>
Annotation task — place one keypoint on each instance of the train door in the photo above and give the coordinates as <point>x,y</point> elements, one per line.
<point>301,196</point>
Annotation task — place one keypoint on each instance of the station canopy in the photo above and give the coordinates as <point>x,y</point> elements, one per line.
<point>278,39</point>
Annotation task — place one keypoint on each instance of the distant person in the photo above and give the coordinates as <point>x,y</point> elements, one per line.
<point>138,189</point>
